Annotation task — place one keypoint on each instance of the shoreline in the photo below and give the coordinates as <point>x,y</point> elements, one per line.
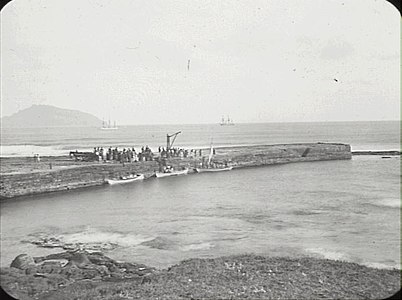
<point>85,275</point>
<point>23,176</point>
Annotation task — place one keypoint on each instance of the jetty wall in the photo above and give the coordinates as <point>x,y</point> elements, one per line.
<point>75,175</point>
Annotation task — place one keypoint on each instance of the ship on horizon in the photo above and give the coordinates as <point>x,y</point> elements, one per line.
<point>108,125</point>
<point>227,121</point>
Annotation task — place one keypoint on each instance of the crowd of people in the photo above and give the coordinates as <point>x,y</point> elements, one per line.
<point>124,155</point>
<point>131,155</point>
<point>179,152</point>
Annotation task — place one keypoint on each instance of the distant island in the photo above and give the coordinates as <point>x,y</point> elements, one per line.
<point>49,116</point>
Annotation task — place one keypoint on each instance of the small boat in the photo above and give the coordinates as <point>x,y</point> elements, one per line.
<point>126,179</point>
<point>202,170</point>
<point>212,168</point>
<point>171,173</point>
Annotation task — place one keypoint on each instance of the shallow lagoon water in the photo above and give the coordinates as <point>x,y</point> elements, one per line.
<point>348,210</point>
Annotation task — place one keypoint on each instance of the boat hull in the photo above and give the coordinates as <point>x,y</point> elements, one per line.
<point>122,181</point>
<point>176,173</point>
<point>201,170</point>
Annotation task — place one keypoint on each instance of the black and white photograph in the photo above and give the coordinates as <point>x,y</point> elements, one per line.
<point>200,149</point>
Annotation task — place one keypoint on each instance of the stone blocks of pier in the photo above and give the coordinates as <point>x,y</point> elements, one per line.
<point>80,175</point>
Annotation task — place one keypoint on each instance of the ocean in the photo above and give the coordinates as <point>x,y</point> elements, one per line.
<point>60,141</point>
<point>347,210</point>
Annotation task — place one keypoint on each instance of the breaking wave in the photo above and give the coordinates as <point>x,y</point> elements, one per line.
<point>93,236</point>
<point>30,150</point>
<point>327,254</point>
<point>390,202</point>
<point>199,246</point>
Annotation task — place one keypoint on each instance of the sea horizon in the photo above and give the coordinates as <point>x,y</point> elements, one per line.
<point>216,123</point>
<point>55,141</point>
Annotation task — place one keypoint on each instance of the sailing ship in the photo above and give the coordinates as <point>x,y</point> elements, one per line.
<point>108,125</point>
<point>227,121</point>
<point>211,168</point>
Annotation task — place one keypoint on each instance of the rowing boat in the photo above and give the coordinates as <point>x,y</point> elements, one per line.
<point>172,173</point>
<point>202,170</point>
<point>126,179</point>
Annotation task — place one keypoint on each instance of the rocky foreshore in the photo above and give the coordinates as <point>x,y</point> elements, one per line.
<point>36,277</point>
<point>84,275</point>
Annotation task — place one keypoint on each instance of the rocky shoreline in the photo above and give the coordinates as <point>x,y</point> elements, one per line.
<point>85,275</point>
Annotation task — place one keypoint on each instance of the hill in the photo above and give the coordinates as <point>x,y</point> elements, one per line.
<point>49,116</point>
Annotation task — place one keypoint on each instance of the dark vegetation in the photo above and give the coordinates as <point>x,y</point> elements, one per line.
<point>84,275</point>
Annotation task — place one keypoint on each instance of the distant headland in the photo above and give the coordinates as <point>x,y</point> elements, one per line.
<point>38,116</point>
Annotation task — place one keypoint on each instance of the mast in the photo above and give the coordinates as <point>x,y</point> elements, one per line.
<point>211,151</point>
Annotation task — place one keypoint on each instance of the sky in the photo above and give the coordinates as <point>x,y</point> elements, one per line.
<point>187,61</point>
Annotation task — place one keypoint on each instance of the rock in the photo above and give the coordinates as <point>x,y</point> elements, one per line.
<point>50,267</point>
<point>146,279</point>
<point>31,270</point>
<point>158,243</point>
<point>56,256</point>
<point>79,259</point>
<point>113,269</point>
<point>103,270</point>
<point>23,262</point>
<point>116,274</point>
<point>90,273</point>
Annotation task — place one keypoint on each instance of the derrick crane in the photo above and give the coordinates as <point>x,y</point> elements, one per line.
<point>169,143</point>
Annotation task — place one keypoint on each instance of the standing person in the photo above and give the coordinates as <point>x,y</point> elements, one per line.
<point>104,154</point>
<point>110,153</point>
<point>124,155</point>
<point>117,154</point>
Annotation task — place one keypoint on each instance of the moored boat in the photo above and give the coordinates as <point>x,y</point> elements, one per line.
<point>212,167</point>
<point>202,170</point>
<point>171,173</point>
<point>126,179</point>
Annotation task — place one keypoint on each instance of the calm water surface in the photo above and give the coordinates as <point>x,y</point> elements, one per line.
<point>347,210</point>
